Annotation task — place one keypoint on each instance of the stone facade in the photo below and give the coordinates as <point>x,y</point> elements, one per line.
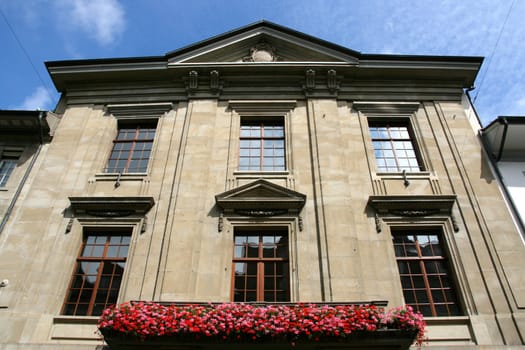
<point>337,208</point>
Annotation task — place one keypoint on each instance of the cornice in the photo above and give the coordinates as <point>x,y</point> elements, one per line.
<point>111,206</point>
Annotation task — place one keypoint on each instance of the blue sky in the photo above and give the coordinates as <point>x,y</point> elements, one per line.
<point>47,30</point>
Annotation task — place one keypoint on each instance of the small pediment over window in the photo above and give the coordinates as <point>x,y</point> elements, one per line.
<point>111,206</point>
<point>261,198</point>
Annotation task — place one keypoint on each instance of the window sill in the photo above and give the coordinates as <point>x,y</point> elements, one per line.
<point>447,320</point>
<point>75,328</point>
<point>64,319</point>
<point>401,175</point>
<point>261,173</point>
<point>120,177</point>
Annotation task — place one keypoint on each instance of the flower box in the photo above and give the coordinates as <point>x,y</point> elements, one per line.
<point>381,339</point>
<point>149,325</point>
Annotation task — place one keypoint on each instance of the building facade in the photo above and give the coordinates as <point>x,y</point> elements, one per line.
<point>264,165</point>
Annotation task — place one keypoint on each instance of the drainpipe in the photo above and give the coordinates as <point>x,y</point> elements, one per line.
<point>26,175</point>
<point>503,137</point>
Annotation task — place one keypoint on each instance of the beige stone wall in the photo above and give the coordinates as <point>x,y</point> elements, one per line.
<point>338,255</point>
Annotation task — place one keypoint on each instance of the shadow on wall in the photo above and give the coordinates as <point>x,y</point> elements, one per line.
<point>486,172</point>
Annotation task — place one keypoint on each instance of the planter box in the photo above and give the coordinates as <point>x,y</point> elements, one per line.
<point>381,339</point>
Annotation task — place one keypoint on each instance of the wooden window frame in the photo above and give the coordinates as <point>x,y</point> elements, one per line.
<point>448,292</point>
<point>261,260</point>
<point>116,154</point>
<point>260,124</point>
<point>389,124</point>
<point>102,259</point>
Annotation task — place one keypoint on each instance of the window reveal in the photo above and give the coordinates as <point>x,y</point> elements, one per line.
<point>260,267</point>
<point>98,273</point>
<point>425,275</point>
<point>131,148</point>
<point>394,147</point>
<point>262,145</point>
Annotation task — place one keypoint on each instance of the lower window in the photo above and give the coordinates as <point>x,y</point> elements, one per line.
<point>98,273</point>
<point>260,266</point>
<point>425,274</point>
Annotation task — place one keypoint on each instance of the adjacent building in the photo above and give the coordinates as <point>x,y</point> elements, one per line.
<point>503,140</point>
<point>263,165</point>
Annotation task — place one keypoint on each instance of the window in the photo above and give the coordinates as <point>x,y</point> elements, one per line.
<point>262,145</point>
<point>98,273</point>
<point>9,157</point>
<point>394,147</point>
<point>260,266</point>
<point>7,165</point>
<point>425,274</point>
<point>132,148</point>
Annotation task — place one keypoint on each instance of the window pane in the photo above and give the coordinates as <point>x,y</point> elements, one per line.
<point>261,262</point>
<point>95,282</point>
<point>424,274</point>
<point>129,154</point>
<point>265,140</point>
<point>396,139</point>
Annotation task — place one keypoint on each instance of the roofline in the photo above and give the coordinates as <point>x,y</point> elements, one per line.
<point>95,61</point>
<point>20,112</point>
<point>261,23</point>
<point>258,24</point>
<point>503,119</point>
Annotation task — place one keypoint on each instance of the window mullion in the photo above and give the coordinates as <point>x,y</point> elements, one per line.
<point>260,281</point>
<point>95,288</point>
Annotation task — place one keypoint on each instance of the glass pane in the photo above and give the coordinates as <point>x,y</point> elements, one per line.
<point>240,268</point>
<point>239,252</point>
<point>251,283</point>
<point>250,296</point>
<point>269,269</point>
<point>252,240</point>
<point>410,297</point>
<point>268,251</point>
<point>269,283</point>
<point>123,252</point>
<point>240,239</point>
<point>269,296</point>
<point>421,296</point>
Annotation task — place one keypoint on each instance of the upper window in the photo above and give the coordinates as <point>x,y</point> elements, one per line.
<point>132,148</point>
<point>8,161</point>
<point>7,165</point>
<point>425,275</point>
<point>98,273</point>
<point>262,145</point>
<point>394,147</point>
<point>260,265</point>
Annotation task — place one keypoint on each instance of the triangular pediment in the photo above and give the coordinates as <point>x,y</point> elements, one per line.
<point>261,195</point>
<point>262,42</point>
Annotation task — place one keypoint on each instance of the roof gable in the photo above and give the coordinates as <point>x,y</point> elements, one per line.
<point>262,42</point>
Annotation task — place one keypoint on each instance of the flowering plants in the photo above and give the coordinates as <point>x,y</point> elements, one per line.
<point>235,322</point>
<point>405,318</point>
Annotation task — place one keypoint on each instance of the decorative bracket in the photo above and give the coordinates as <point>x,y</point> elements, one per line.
<point>215,83</point>
<point>192,82</point>
<point>332,81</point>
<point>309,80</point>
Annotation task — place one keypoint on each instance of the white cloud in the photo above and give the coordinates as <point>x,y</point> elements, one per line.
<point>39,99</point>
<point>103,20</point>
<point>521,102</point>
